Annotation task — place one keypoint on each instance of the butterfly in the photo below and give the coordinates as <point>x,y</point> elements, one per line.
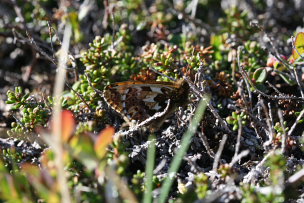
<point>140,100</point>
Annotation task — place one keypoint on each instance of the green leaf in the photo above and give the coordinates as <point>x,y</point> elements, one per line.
<point>82,148</point>
<point>10,102</point>
<point>260,75</point>
<point>216,42</point>
<point>17,106</point>
<point>25,97</point>
<point>287,79</point>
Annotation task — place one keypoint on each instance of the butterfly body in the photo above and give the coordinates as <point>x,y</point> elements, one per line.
<point>138,101</point>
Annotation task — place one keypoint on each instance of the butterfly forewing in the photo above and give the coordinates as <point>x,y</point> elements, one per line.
<point>136,100</point>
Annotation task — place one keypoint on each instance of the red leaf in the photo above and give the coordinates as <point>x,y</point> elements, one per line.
<point>67,125</point>
<point>104,139</point>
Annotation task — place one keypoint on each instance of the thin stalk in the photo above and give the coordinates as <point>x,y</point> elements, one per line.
<point>59,86</point>
<point>186,140</point>
<point>149,170</point>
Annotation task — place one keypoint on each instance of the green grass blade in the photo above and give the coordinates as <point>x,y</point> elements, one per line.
<point>149,171</point>
<point>186,140</point>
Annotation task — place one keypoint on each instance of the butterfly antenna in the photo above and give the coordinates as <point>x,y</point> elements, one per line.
<point>156,71</point>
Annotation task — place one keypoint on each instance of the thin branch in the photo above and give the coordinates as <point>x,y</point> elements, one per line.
<point>296,177</point>
<point>100,93</point>
<point>206,144</point>
<point>194,4</point>
<point>210,107</point>
<point>284,135</point>
<point>254,173</point>
<point>257,91</point>
<point>238,157</point>
<point>270,114</point>
<point>19,13</point>
<point>273,87</point>
<point>80,96</point>
<point>164,75</point>
<point>270,129</point>
<point>295,123</point>
<point>249,112</point>
<point>240,48</point>
<point>219,153</point>
<point>238,140</point>
<point>30,41</point>
<point>51,37</point>
<point>28,32</point>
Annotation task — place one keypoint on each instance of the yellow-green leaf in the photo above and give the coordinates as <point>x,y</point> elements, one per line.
<point>299,45</point>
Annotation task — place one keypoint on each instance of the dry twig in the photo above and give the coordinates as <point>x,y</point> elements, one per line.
<point>219,153</point>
